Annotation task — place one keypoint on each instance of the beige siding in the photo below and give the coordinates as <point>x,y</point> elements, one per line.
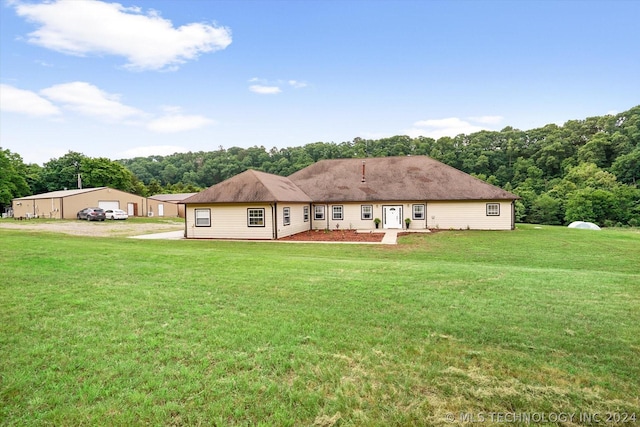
<point>468,215</point>
<point>443,215</point>
<point>43,208</point>
<point>72,204</point>
<point>353,216</point>
<point>68,207</point>
<point>297,224</point>
<point>170,209</point>
<point>229,222</point>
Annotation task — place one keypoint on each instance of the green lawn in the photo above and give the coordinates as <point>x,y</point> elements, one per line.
<point>116,331</point>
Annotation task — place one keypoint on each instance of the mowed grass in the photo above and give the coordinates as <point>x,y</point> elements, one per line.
<point>115,331</point>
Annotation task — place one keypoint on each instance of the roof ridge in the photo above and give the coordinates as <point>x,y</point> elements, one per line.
<point>262,183</point>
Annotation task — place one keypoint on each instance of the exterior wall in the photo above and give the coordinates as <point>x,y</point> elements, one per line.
<point>297,224</point>
<point>353,215</point>
<point>72,204</point>
<point>469,215</point>
<point>181,210</point>
<point>229,222</point>
<point>42,208</point>
<point>443,215</point>
<point>170,209</point>
<point>68,207</point>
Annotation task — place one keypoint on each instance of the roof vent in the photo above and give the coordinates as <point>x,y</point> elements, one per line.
<point>363,180</point>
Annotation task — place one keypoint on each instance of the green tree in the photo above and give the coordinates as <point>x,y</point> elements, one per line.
<point>102,172</point>
<point>154,188</point>
<point>62,173</point>
<point>12,178</point>
<point>590,204</point>
<point>545,210</point>
<point>590,175</point>
<point>627,167</point>
<point>33,175</point>
<point>75,169</point>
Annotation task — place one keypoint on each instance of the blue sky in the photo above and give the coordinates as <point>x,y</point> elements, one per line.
<point>154,77</point>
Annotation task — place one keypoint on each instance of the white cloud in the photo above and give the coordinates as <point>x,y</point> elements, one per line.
<point>178,123</point>
<point>16,100</point>
<point>266,87</point>
<point>452,126</point>
<point>89,100</point>
<point>147,41</point>
<point>265,90</point>
<point>155,150</point>
<point>296,84</point>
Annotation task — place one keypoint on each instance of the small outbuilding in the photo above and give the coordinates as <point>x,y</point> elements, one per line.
<point>167,204</point>
<point>65,204</point>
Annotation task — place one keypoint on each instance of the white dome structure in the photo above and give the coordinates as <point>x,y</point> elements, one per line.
<point>585,225</point>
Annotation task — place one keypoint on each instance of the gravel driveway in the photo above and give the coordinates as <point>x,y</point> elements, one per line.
<point>126,228</point>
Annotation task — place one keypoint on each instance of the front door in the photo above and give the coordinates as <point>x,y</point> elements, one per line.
<point>392,217</point>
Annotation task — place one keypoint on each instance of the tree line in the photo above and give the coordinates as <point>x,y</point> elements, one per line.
<point>583,170</point>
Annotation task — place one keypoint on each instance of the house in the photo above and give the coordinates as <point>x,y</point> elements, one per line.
<point>167,204</point>
<point>250,205</point>
<point>65,204</point>
<point>349,194</point>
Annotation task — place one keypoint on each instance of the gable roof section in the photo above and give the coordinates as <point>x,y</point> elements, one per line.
<point>392,179</point>
<point>60,194</point>
<point>251,186</point>
<point>173,198</point>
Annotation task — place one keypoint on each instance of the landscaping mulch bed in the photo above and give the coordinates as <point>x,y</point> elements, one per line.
<point>334,236</point>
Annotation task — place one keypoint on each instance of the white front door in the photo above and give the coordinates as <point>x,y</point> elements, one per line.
<point>392,217</point>
<point>160,209</point>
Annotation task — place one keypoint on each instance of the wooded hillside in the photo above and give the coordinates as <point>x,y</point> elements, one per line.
<point>583,170</point>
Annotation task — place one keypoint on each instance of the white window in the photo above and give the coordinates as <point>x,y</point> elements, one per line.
<point>337,213</point>
<point>203,217</point>
<point>305,213</point>
<point>366,212</point>
<point>318,212</point>
<point>418,212</point>
<point>255,217</point>
<point>286,216</point>
<point>493,209</point>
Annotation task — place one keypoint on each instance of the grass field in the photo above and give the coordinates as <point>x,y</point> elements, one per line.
<point>114,331</point>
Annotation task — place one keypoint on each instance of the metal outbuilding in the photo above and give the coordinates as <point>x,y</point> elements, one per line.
<point>167,204</point>
<point>65,204</point>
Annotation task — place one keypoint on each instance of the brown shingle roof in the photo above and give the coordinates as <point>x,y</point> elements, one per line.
<point>251,186</point>
<point>392,178</point>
